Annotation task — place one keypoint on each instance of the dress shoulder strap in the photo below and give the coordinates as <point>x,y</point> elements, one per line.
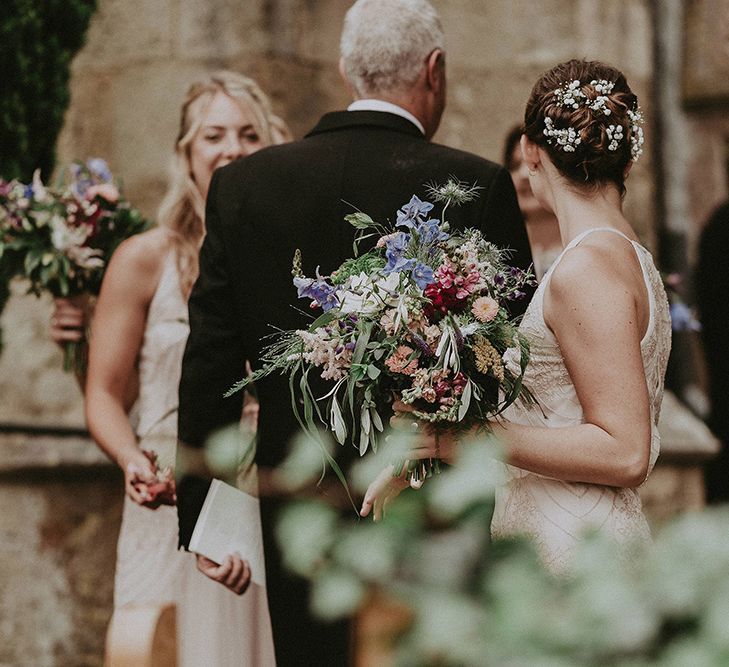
<point>577,240</point>
<point>581,237</point>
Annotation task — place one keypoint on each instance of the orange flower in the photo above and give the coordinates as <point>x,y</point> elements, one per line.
<point>485,308</point>
<point>399,361</point>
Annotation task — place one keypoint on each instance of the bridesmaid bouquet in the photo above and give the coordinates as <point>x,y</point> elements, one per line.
<point>162,491</point>
<point>420,317</point>
<point>61,238</point>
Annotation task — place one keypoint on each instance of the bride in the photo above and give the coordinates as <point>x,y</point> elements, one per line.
<point>599,331</point>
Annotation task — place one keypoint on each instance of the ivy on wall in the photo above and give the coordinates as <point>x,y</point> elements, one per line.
<point>38,40</point>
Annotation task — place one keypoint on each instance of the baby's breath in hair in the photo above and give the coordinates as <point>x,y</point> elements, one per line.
<point>636,133</point>
<point>453,192</point>
<point>570,95</point>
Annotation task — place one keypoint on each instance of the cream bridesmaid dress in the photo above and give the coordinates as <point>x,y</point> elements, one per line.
<point>215,626</point>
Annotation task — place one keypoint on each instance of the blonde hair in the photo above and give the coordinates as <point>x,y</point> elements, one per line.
<point>182,211</point>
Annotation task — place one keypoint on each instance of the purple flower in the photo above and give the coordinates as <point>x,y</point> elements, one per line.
<point>422,275</point>
<point>411,214</point>
<point>421,344</point>
<point>317,290</point>
<point>499,280</point>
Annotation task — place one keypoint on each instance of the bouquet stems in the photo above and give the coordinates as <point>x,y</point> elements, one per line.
<point>75,357</point>
<point>417,471</point>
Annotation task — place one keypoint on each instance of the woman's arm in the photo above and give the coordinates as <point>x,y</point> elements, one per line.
<point>599,323</point>
<point>119,323</point>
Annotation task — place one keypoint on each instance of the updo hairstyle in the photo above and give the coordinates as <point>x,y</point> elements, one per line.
<point>584,114</point>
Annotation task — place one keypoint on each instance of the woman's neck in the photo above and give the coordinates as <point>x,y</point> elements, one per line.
<point>577,212</point>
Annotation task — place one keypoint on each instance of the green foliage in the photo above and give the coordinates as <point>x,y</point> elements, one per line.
<point>482,604</point>
<point>38,40</point>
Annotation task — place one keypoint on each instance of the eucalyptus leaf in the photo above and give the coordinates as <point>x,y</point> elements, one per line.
<point>337,421</point>
<point>465,401</point>
<point>359,220</point>
<point>364,441</point>
<point>373,372</point>
<point>376,420</point>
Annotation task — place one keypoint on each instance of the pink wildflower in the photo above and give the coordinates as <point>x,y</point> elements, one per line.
<point>382,241</point>
<point>467,284</point>
<point>106,191</point>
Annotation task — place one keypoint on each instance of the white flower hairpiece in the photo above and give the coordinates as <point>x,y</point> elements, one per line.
<point>636,133</point>
<point>568,138</point>
<point>603,86</point>
<point>615,134</point>
<point>570,95</point>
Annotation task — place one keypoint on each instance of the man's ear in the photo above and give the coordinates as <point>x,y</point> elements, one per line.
<point>435,69</point>
<point>529,153</point>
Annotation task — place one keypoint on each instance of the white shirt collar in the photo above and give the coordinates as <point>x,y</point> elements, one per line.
<point>389,107</point>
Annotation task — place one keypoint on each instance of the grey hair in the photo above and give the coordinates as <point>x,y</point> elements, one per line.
<point>385,43</point>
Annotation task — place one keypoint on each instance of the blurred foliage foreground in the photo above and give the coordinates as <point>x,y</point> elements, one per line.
<point>473,602</point>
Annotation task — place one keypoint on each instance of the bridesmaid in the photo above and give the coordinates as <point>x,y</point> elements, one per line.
<point>138,338</point>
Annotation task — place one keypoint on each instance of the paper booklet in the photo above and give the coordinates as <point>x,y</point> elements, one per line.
<point>229,521</point>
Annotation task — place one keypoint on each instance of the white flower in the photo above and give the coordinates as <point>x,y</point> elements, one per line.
<point>64,237</point>
<point>85,257</point>
<point>39,191</point>
<point>362,296</point>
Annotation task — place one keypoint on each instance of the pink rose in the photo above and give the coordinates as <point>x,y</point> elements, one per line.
<point>106,191</point>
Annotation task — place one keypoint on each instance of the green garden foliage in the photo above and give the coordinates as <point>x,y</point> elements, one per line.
<point>38,40</point>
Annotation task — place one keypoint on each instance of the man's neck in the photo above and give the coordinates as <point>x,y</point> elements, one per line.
<point>378,104</point>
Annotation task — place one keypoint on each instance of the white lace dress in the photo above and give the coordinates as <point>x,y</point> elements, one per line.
<point>552,512</point>
<point>215,626</point>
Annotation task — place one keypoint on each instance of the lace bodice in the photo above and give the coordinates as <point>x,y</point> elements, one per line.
<point>554,511</point>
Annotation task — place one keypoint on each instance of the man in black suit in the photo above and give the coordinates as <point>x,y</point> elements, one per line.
<point>374,156</point>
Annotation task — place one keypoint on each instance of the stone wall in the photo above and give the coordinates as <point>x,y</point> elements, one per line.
<point>61,505</point>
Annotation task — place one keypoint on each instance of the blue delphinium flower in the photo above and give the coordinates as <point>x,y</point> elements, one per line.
<point>395,254</point>
<point>412,213</point>
<point>422,275</point>
<point>100,169</point>
<point>429,232</point>
<point>317,290</point>
<point>682,319</point>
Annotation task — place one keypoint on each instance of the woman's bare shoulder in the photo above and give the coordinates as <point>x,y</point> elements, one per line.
<point>595,265</point>
<point>139,259</point>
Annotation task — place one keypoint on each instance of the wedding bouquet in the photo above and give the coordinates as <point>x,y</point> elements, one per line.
<point>61,238</point>
<point>420,317</point>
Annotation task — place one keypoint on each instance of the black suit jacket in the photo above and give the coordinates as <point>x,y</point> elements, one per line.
<point>260,210</point>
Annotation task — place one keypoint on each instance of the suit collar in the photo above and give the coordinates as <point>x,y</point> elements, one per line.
<point>339,120</point>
